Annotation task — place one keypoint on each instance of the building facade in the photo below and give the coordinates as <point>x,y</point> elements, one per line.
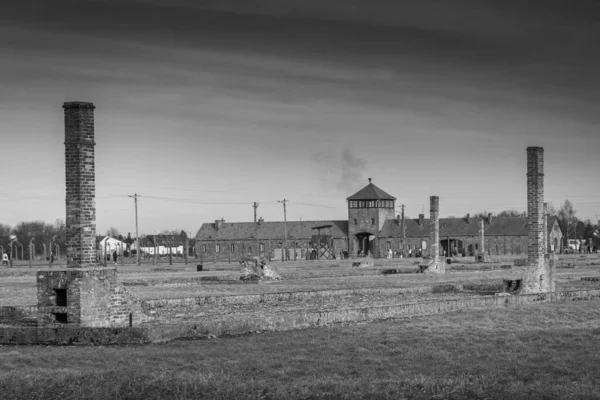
<point>372,229</point>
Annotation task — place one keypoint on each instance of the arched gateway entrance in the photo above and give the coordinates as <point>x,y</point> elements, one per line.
<point>365,242</point>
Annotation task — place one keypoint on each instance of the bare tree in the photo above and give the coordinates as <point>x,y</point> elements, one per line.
<point>567,218</point>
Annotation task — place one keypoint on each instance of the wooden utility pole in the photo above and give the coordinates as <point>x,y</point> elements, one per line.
<point>255,206</point>
<point>137,237</point>
<point>284,201</point>
<point>403,232</point>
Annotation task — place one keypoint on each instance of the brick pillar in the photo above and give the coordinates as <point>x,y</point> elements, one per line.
<point>539,274</point>
<point>546,228</point>
<point>535,204</point>
<point>434,227</point>
<point>81,187</point>
<point>481,236</point>
<point>433,264</point>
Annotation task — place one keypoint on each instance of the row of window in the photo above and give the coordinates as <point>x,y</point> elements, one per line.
<point>261,248</point>
<point>372,221</point>
<point>371,204</point>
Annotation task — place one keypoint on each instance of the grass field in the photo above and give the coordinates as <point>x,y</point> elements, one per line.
<point>545,351</point>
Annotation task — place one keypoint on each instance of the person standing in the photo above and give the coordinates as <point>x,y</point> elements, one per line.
<point>115,256</point>
<point>5,259</point>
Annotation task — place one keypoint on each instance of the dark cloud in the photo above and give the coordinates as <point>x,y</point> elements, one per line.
<point>340,170</point>
<point>380,52</point>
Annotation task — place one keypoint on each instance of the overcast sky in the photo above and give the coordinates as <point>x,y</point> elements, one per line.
<point>204,107</point>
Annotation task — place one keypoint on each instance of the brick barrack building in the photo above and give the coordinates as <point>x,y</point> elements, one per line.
<point>371,228</point>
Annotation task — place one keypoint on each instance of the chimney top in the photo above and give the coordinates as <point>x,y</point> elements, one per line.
<point>421,219</point>
<point>369,180</point>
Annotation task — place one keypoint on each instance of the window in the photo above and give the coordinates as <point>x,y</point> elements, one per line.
<point>388,245</point>
<point>372,221</point>
<point>232,248</point>
<point>61,297</point>
<point>249,249</point>
<point>217,248</point>
<point>261,247</point>
<point>355,221</point>
<point>204,248</point>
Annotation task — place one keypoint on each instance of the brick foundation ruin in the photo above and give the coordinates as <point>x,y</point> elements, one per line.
<point>84,294</point>
<point>537,273</point>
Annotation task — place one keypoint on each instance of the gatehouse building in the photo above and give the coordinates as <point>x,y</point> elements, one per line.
<point>371,228</point>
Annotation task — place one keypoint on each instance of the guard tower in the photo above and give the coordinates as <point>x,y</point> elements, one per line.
<point>368,209</point>
<point>322,243</point>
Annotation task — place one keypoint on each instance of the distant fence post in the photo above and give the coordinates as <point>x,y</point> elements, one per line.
<point>154,255</point>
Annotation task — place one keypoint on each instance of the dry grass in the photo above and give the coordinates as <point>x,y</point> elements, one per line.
<point>546,351</point>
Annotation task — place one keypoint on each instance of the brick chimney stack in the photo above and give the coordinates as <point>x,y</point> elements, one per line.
<point>434,228</point>
<point>81,186</point>
<point>546,228</point>
<point>535,204</point>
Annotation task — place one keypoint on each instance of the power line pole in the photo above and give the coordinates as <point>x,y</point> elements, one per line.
<point>284,201</point>
<point>255,206</point>
<point>403,231</point>
<point>137,236</point>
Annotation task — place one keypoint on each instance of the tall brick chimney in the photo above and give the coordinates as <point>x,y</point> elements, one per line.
<point>546,228</point>
<point>83,294</point>
<point>80,182</point>
<point>482,235</point>
<point>536,274</point>
<point>535,204</point>
<point>434,227</point>
<point>432,263</point>
<point>539,275</point>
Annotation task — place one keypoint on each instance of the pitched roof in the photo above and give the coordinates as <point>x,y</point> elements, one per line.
<point>371,192</point>
<point>164,240</point>
<point>500,226</point>
<point>269,230</point>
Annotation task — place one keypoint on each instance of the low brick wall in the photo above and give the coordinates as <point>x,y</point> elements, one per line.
<point>305,319</point>
<point>72,336</point>
<point>236,324</point>
<point>168,307</point>
<point>18,316</point>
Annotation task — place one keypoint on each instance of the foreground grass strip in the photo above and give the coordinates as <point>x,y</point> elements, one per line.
<point>545,351</point>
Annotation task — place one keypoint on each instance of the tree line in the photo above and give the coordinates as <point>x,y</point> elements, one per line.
<point>571,225</point>
<point>51,236</point>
